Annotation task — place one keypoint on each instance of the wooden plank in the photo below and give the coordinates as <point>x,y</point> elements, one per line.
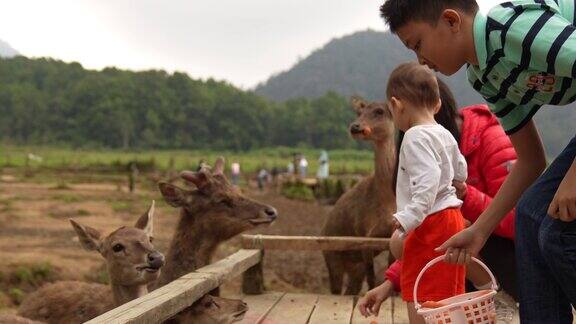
<point>400,314</point>
<point>259,306</point>
<point>387,314</point>
<point>324,243</point>
<point>167,301</point>
<point>333,309</point>
<point>292,308</point>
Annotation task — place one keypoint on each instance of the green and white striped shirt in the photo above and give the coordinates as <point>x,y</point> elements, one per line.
<point>527,52</point>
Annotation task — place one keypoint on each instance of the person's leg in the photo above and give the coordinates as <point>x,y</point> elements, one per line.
<point>541,254</point>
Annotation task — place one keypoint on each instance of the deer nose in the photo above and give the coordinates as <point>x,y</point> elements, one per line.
<point>271,212</point>
<point>156,260</point>
<point>355,129</point>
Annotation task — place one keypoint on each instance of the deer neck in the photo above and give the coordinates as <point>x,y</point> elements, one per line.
<point>384,163</point>
<point>124,294</point>
<point>191,248</point>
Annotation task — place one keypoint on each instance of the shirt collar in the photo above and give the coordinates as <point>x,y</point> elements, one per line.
<point>480,22</point>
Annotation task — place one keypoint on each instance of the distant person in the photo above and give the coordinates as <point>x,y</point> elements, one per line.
<point>290,169</point>
<point>323,168</point>
<point>303,167</point>
<point>262,178</point>
<point>235,172</point>
<point>275,173</point>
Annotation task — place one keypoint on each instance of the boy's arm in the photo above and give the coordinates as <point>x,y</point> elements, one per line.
<point>424,174</point>
<point>531,162</point>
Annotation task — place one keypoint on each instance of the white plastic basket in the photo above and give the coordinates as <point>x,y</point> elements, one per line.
<point>470,308</point>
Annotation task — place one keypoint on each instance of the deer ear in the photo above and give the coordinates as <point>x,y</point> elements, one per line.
<point>219,166</point>
<point>358,103</point>
<point>89,237</point>
<point>172,194</point>
<point>146,221</point>
<point>199,179</point>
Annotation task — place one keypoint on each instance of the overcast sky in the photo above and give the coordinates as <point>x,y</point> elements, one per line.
<point>242,41</point>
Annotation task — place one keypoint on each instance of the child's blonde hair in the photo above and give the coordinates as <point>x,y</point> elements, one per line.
<point>414,83</point>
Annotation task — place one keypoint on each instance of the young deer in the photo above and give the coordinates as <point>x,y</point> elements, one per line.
<point>366,209</point>
<point>210,214</point>
<point>15,319</point>
<point>213,310</point>
<point>132,263</point>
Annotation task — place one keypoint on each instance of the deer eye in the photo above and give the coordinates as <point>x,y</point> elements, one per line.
<point>151,239</point>
<point>379,112</point>
<point>118,248</point>
<point>227,202</point>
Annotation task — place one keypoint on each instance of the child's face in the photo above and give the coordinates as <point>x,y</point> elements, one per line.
<point>439,46</point>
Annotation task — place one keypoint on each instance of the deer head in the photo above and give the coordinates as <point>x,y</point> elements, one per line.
<point>214,310</point>
<point>130,257</point>
<point>217,203</point>
<point>374,121</point>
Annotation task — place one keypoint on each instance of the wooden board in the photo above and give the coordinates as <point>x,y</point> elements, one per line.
<point>322,243</point>
<point>259,306</point>
<point>167,301</point>
<point>333,309</point>
<point>392,311</point>
<point>293,309</point>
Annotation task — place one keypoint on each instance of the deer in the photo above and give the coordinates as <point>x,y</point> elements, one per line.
<point>132,263</point>
<point>365,210</point>
<point>213,310</point>
<point>15,319</point>
<point>211,213</point>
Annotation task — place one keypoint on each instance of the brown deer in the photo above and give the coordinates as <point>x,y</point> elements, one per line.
<point>211,213</point>
<point>132,263</point>
<point>15,319</point>
<point>366,209</point>
<point>213,310</point>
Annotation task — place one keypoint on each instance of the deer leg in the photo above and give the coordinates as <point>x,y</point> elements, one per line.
<point>356,273</point>
<point>368,258</point>
<point>335,272</point>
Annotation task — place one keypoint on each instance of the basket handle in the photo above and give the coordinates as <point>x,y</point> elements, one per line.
<point>438,259</point>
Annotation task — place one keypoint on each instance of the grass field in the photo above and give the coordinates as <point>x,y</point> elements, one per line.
<point>341,161</point>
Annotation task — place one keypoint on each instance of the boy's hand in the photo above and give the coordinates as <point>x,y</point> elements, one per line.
<point>563,206</point>
<point>460,247</point>
<point>370,304</point>
<point>461,189</point>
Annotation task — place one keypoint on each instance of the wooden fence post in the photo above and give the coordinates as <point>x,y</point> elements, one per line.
<point>253,278</point>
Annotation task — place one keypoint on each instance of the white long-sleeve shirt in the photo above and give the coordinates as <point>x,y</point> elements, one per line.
<point>429,159</point>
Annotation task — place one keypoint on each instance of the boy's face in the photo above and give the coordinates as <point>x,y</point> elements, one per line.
<point>436,46</point>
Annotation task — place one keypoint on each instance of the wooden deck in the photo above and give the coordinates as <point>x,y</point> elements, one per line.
<point>288,308</point>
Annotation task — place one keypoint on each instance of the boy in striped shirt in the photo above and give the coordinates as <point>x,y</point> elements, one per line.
<point>520,56</point>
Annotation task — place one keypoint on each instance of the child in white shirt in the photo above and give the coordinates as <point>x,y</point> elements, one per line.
<point>427,206</point>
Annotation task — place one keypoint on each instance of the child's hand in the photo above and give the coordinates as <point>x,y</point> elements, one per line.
<point>461,189</point>
<point>396,224</point>
<point>563,206</point>
<point>370,304</point>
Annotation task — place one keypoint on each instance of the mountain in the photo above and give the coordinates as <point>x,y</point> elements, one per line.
<point>6,50</point>
<point>360,64</point>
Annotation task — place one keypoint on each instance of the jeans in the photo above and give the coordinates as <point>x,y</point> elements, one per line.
<point>546,250</point>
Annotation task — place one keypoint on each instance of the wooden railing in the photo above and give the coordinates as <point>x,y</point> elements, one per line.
<point>165,302</point>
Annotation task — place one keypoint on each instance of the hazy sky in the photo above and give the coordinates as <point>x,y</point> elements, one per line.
<point>242,41</point>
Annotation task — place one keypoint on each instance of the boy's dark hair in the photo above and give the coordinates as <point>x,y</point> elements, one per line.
<point>446,117</point>
<point>397,13</point>
<point>414,83</point>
